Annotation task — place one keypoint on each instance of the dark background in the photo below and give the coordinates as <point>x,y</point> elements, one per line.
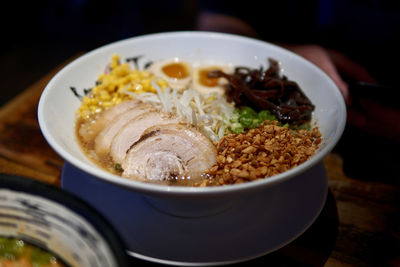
<point>38,35</point>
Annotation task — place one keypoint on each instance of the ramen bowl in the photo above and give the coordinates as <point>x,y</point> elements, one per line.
<point>56,222</point>
<point>58,105</point>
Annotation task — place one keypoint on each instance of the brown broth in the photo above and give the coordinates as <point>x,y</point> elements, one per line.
<point>105,163</point>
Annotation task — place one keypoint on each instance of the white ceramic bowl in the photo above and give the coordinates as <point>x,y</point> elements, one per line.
<point>58,222</point>
<point>56,111</point>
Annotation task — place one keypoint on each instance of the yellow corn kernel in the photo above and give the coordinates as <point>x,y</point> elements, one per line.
<point>162,83</point>
<point>114,61</point>
<point>121,70</point>
<point>95,90</point>
<point>111,88</point>
<point>89,101</point>
<point>104,95</point>
<point>134,77</point>
<point>108,104</point>
<point>93,108</point>
<point>116,100</point>
<point>146,83</point>
<point>145,74</point>
<point>137,87</point>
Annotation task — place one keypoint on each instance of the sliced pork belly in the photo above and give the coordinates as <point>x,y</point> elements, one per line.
<point>104,138</point>
<point>132,131</point>
<point>168,152</point>
<point>89,130</point>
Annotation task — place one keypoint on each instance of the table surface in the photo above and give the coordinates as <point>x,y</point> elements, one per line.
<point>358,226</point>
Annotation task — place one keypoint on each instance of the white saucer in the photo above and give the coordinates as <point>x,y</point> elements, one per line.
<point>253,227</point>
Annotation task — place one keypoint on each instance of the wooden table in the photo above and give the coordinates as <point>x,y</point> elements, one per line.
<point>358,226</point>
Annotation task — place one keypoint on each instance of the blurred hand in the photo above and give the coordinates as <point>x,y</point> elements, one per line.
<point>367,114</point>
<point>375,118</point>
<point>332,63</point>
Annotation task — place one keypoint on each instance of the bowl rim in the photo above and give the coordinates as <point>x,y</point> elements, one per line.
<point>155,189</point>
<point>51,193</point>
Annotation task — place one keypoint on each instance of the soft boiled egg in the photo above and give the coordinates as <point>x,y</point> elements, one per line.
<point>206,85</point>
<point>175,71</point>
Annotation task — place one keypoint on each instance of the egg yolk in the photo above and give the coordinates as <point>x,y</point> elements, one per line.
<point>176,70</point>
<point>205,80</point>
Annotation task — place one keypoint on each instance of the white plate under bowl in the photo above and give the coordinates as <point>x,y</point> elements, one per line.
<point>254,226</point>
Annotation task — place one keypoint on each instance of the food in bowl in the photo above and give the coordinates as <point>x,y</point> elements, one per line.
<point>193,124</point>
<point>17,252</point>
<point>40,225</point>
